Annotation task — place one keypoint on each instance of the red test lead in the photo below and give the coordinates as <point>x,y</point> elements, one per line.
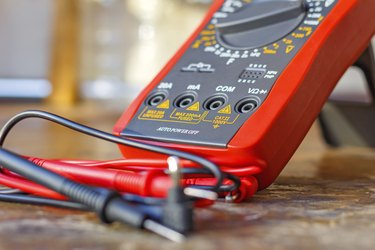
<point>225,114</point>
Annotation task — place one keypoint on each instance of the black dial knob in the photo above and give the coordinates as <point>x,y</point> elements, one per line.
<point>260,23</point>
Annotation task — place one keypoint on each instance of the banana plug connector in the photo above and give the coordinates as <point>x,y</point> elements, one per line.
<point>178,211</point>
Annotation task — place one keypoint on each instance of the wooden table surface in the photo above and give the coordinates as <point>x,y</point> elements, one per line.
<point>324,199</point>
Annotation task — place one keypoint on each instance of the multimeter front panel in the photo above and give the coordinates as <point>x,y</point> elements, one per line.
<point>227,72</point>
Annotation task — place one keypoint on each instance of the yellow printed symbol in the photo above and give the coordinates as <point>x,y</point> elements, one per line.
<point>289,49</point>
<point>303,32</point>
<point>164,105</point>
<point>216,126</point>
<point>287,41</point>
<point>208,32</point>
<point>194,107</point>
<point>298,35</point>
<point>307,30</point>
<point>227,110</point>
<point>266,50</point>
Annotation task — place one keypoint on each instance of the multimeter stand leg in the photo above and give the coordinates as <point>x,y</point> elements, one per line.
<point>366,63</point>
<point>348,124</point>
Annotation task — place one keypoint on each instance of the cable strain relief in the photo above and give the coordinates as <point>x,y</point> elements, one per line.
<point>37,161</point>
<point>179,216</point>
<point>96,199</point>
<point>106,196</point>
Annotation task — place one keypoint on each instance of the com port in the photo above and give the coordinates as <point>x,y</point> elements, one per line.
<point>156,98</point>
<point>185,100</point>
<point>247,105</point>
<point>215,102</point>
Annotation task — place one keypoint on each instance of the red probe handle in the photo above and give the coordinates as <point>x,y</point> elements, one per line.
<point>29,187</point>
<point>151,183</point>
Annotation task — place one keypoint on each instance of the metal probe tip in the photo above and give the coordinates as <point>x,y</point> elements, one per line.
<point>173,164</point>
<point>174,167</point>
<point>175,170</point>
<point>164,231</point>
<point>201,193</point>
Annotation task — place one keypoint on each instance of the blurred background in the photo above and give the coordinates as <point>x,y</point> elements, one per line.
<point>64,51</point>
<point>104,50</point>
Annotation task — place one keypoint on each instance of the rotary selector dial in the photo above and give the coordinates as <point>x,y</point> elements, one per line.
<point>261,23</point>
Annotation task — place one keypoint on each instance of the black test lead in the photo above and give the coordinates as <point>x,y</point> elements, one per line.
<point>109,205</point>
<point>240,122</point>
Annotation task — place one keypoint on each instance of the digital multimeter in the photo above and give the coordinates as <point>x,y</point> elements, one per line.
<point>246,87</point>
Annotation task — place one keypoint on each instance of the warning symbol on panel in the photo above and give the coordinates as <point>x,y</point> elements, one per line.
<point>227,110</point>
<point>289,49</point>
<point>194,107</point>
<point>164,105</point>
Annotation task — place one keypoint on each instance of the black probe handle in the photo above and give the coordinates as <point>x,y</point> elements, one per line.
<point>108,204</point>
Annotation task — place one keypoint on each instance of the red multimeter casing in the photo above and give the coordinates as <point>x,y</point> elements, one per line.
<point>266,137</point>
